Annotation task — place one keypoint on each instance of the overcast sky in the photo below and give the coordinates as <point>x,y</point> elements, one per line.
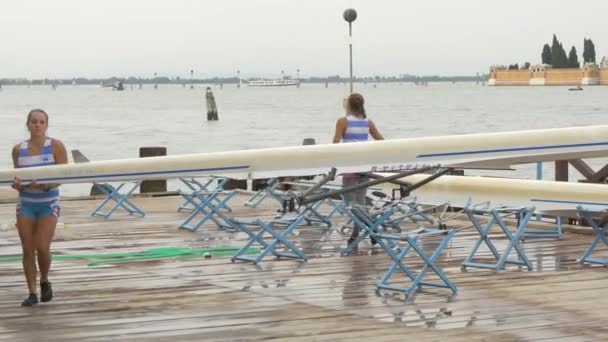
<point>102,38</point>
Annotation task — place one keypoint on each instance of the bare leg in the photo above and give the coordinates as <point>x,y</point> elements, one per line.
<point>27,229</point>
<point>362,201</point>
<point>351,199</point>
<point>44,235</point>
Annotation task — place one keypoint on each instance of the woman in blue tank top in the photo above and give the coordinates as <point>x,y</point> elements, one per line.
<point>38,206</point>
<point>355,127</point>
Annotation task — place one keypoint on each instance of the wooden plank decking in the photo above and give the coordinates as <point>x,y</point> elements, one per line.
<point>328,298</point>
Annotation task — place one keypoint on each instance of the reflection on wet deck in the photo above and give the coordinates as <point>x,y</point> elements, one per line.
<point>328,298</point>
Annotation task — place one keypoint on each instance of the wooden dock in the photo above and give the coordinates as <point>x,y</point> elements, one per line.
<point>328,298</point>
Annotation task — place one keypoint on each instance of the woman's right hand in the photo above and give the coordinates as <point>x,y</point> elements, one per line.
<point>16,184</point>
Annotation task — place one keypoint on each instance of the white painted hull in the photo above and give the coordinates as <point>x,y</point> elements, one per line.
<point>545,196</point>
<point>490,150</point>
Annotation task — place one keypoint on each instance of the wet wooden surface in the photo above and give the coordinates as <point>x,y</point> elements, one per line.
<point>328,298</point>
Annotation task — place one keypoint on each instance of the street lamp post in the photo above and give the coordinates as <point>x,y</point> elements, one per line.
<point>350,15</point>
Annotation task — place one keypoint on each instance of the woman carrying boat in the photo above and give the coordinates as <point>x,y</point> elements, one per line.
<point>355,127</point>
<point>38,206</point>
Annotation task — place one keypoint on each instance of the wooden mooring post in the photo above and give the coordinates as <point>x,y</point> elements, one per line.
<point>153,185</point>
<point>212,114</point>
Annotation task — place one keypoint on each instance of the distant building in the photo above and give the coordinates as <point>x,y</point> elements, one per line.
<point>543,74</point>
<point>604,71</point>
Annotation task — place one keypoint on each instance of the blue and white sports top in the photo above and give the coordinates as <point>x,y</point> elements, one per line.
<point>357,130</point>
<point>31,195</point>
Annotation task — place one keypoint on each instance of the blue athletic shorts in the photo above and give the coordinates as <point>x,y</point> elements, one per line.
<point>38,210</point>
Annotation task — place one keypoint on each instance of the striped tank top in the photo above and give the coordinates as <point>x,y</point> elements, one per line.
<point>357,130</point>
<point>31,195</point>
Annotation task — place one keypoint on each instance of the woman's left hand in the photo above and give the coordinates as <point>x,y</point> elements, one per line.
<point>16,184</point>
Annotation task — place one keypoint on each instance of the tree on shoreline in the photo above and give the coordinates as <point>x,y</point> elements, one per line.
<point>555,55</point>
<point>546,56</point>
<point>559,59</point>
<point>588,51</point>
<point>573,59</point>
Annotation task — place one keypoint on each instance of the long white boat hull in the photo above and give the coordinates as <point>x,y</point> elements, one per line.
<point>546,196</point>
<point>490,150</point>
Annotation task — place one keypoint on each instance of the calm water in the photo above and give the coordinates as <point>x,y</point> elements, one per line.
<point>107,124</point>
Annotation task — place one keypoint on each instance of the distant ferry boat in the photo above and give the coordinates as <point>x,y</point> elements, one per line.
<point>285,82</point>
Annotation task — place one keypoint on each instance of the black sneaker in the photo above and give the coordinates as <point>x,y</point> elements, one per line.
<point>373,240</point>
<point>31,300</point>
<point>46,291</point>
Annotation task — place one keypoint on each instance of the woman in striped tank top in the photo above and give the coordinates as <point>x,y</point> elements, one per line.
<point>355,127</point>
<point>38,206</point>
